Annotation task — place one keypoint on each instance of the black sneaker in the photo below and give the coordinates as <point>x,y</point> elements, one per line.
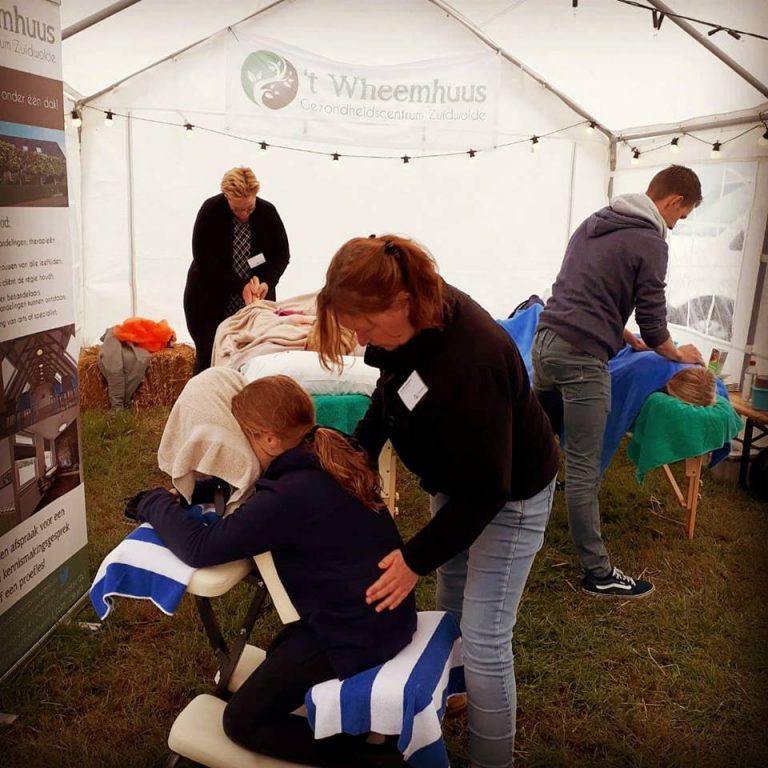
<point>616,585</point>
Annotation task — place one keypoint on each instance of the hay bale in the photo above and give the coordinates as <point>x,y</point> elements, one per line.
<point>169,370</point>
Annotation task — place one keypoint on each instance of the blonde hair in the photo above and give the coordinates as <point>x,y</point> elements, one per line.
<point>280,405</point>
<point>695,386</point>
<point>365,277</point>
<point>239,182</point>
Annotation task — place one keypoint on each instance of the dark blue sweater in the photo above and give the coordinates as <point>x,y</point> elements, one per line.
<point>326,545</point>
<point>614,263</point>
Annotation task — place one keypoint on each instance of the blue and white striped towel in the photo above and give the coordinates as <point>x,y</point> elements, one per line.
<point>140,566</point>
<point>405,696</point>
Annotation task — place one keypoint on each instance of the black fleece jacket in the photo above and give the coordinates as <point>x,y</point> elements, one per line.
<point>478,435</point>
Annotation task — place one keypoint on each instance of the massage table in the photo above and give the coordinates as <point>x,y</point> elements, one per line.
<point>635,378</point>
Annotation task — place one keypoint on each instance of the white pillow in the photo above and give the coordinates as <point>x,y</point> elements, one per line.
<point>357,378</point>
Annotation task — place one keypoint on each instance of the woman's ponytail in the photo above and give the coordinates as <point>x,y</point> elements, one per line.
<point>347,466</point>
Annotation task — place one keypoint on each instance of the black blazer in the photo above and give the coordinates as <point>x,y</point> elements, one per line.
<point>211,278</point>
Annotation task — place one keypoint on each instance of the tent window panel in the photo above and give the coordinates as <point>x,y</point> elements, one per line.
<point>706,250</point>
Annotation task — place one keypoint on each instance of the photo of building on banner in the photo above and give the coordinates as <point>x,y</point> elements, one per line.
<point>450,103</point>
<point>43,539</point>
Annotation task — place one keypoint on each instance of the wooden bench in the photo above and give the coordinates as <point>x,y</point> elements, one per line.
<point>755,421</point>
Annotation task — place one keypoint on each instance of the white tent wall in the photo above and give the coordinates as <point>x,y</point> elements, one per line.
<point>709,267</point>
<point>497,224</point>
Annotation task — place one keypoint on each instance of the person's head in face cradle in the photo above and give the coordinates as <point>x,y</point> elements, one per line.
<point>386,289</point>
<point>240,187</point>
<point>676,191</point>
<point>276,414</point>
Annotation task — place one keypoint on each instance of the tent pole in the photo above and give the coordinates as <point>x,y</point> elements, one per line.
<point>95,18</point>
<point>480,35</point>
<point>711,47</point>
<point>755,316</point>
<point>570,192</point>
<point>131,227</point>
<point>693,125</point>
<point>175,54</point>
<point>612,167</point>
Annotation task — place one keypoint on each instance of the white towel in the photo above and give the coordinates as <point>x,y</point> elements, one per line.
<point>405,696</point>
<point>202,437</point>
<point>140,566</point>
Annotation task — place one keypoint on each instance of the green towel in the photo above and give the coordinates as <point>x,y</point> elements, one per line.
<point>341,412</point>
<point>668,430</point>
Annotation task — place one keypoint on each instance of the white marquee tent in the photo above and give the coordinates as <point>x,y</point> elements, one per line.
<point>498,222</point>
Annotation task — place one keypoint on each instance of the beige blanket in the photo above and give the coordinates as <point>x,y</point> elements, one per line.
<point>257,330</point>
<point>202,437</point>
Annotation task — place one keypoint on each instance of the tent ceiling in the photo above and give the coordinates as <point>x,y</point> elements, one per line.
<point>604,57</point>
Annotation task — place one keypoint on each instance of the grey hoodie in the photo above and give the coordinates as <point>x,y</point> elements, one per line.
<point>616,261</point>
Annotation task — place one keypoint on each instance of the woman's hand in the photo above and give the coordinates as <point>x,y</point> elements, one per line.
<point>254,290</point>
<point>394,585</point>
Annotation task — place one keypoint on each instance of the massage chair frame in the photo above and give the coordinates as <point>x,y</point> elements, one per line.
<point>189,740</point>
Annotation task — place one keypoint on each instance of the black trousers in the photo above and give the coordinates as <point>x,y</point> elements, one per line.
<point>258,716</point>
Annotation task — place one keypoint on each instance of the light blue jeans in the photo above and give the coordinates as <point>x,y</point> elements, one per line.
<point>482,588</point>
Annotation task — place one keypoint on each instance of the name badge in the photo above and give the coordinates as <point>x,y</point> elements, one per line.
<point>256,260</point>
<point>412,391</point>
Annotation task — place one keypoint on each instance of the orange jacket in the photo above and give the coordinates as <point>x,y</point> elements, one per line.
<point>148,334</point>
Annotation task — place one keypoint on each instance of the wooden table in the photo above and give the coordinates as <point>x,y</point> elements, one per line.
<point>755,421</point>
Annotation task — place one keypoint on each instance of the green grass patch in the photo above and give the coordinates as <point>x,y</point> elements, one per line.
<point>679,679</point>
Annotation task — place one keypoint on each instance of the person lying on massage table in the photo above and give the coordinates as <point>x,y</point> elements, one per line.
<point>317,508</point>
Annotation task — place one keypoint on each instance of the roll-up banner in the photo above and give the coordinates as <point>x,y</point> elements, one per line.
<point>43,555</point>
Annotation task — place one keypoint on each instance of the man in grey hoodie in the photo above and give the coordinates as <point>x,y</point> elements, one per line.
<point>616,262</point>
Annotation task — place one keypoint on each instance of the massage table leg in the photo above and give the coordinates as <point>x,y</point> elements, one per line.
<point>388,471</point>
<point>690,501</point>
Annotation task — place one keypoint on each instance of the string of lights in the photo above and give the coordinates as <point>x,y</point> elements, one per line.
<point>657,18</point>
<point>589,127</point>
<point>674,143</point>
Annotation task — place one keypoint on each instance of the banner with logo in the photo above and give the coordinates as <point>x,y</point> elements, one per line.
<point>43,555</point>
<point>276,90</point>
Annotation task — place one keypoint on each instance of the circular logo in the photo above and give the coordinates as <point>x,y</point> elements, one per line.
<point>269,80</point>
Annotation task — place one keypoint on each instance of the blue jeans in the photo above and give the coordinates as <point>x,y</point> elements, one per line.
<point>482,588</point>
<point>584,384</point>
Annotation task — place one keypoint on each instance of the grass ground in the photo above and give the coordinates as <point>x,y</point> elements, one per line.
<point>679,679</point>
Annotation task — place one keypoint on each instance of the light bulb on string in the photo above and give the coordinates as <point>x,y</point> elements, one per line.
<point>674,145</point>
<point>534,142</point>
<point>109,118</point>
<point>715,153</point>
<point>635,156</point>
<point>471,153</point>
<point>77,121</point>
<point>406,160</point>
<point>590,128</point>
<point>189,130</point>
<point>263,144</point>
<point>335,157</point>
